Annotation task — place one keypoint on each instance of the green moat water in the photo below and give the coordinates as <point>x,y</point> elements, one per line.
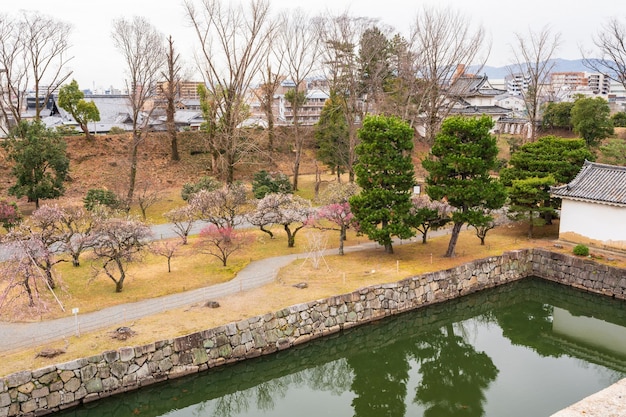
<point>526,349</point>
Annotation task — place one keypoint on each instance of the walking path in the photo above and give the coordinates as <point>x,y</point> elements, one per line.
<point>14,336</point>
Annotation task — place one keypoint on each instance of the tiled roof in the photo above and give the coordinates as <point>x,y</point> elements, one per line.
<point>596,182</point>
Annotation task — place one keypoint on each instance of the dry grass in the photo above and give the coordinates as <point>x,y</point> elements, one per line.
<point>335,275</point>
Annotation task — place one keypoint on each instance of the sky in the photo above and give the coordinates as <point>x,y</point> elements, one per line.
<point>96,64</point>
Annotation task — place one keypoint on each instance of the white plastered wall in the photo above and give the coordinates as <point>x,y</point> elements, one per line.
<point>595,221</point>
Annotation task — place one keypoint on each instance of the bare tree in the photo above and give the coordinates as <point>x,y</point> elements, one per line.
<point>147,195</point>
<point>533,62</point>
<point>610,42</point>
<point>270,81</point>
<point>237,38</point>
<point>167,249</point>
<point>46,44</point>
<point>340,36</point>
<point>14,75</point>
<point>118,242</point>
<point>142,47</point>
<point>441,42</point>
<point>299,46</point>
<point>170,91</point>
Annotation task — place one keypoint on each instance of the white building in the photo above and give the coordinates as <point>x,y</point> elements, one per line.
<point>593,210</point>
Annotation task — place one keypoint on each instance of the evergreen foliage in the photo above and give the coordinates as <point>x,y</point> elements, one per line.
<point>40,161</point>
<point>459,171</point>
<point>384,172</point>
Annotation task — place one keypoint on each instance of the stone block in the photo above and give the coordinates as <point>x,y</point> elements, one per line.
<point>127,354</point>
<point>40,392</point>
<point>18,378</point>
<point>67,375</point>
<point>53,400</point>
<point>5,399</point>
<point>88,372</point>
<point>72,385</point>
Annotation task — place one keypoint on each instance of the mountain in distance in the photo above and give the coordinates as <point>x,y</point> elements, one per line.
<point>560,65</point>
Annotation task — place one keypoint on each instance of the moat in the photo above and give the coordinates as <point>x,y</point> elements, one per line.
<point>529,348</point>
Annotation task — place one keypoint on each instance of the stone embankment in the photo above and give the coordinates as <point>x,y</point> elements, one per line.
<point>66,385</point>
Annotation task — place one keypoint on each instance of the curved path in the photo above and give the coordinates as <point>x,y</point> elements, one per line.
<point>14,336</point>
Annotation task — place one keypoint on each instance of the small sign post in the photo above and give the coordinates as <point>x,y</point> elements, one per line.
<point>75,313</point>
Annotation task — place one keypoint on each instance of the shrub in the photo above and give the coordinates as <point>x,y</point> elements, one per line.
<point>101,196</point>
<point>116,130</point>
<point>265,183</point>
<point>581,250</point>
<point>10,215</point>
<point>204,183</point>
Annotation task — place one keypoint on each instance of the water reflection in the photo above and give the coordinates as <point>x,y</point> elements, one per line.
<point>482,355</point>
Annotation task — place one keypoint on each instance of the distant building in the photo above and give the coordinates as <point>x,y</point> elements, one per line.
<point>517,84</point>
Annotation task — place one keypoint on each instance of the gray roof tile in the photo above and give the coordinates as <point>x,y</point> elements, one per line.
<point>596,182</point>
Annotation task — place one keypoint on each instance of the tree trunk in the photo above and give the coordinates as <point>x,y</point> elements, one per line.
<point>298,150</point>
<point>50,278</point>
<point>456,229</point>
<point>388,247</point>
<point>269,232</point>
<point>133,168</point>
<point>531,224</point>
<point>342,237</point>
<point>291,238</point>
<point>85,130</point>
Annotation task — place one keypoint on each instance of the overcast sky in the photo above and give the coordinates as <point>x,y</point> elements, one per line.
<point>97,64</point>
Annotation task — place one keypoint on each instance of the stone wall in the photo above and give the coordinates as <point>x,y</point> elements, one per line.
<point>66,385</point>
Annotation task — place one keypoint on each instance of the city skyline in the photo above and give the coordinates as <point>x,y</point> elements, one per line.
<point>97,65</point>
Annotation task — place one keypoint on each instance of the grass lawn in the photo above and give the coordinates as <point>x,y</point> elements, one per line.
<point>334,275</point>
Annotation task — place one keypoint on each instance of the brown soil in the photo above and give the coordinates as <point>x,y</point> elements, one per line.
<point>104,162</point>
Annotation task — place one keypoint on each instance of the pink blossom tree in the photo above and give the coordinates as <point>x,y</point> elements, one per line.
<point>9,214</point>
<point>339,215</point>
<point>221,242</point>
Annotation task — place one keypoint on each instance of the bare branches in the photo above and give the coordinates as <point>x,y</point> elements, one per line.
<point>142,47</point>
<point>441,41</point>
<point>46,43</point>
<point>533,63</point>
<point>33,48</point>
<point>299,46</point>
<point>233,44</point>
<point>170,90</point>
<point>611,44</point>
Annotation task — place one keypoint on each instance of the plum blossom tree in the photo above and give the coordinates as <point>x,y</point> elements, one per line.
<point>291,212</point>
<point>118,242</point>
<point>224,207</point>
<point>167,249</point>
<point>182,219</point>
<point>75,226</point>
<point>221,242</point>
<point>10,215</point>
<point>429,214</point>
<point>21,277</point>
<point>340,215</point>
